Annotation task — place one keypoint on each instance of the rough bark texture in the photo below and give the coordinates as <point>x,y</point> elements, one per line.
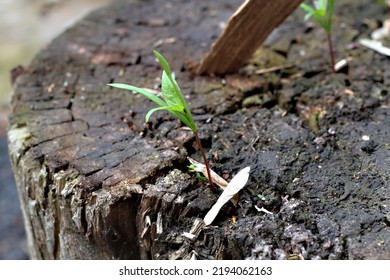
<point>96,182</point>
<point>245,32</point>
<point>82,156</point>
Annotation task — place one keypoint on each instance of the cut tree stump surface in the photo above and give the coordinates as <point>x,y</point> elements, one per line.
<point>82,154</point>
<point>96,182</point>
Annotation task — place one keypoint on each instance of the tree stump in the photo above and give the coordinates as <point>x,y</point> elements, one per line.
<point>93,178</point>
<point>97,182</point>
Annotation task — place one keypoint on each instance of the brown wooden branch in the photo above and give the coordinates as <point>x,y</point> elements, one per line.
<point>245,32</point>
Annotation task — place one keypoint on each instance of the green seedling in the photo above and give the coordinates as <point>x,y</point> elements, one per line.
<point>322,13</point>
<point>171,100</point>
<point>198,175</point>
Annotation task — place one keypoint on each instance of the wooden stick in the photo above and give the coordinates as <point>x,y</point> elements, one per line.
<point>246,30</point>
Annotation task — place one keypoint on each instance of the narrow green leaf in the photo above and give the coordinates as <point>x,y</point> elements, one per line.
<point>174,110</point>
<point>142,91</point>
<point>330,14</point>
<point>331,7</point>
<point>163,62</point>
<point>310,11</point>
<point>150,112</point>
<point>167,108</point>
<point>184,119</point>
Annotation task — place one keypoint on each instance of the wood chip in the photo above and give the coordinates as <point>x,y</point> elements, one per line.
<point>375,46</point>
<point>218,180</point>
<point>234,186</point>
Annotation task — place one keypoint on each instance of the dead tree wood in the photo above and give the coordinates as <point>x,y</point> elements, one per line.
<point>95,181</point>
<point>245,32</point>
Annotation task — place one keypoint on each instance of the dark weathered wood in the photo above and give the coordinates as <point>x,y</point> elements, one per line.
<point>245,32</point>
<point>85,162</point>
<point>96,182</point>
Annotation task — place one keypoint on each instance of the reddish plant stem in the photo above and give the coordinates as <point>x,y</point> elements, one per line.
<point>331,53</point>
<point>205,160</point>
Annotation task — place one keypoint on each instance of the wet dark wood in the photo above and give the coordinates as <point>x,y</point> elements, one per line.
<point>96,182</point>
<point>88,168</point>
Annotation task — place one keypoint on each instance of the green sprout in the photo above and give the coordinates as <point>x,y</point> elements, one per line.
<point>322,13</point>
<point>198,175</point>
<point>172,101</point>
